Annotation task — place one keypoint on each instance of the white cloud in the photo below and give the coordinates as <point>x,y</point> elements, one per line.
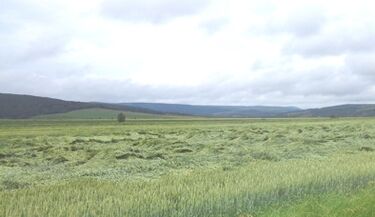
<point>306,53</point>
<point>155,11</point>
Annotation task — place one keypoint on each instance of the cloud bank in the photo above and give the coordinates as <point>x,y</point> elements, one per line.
<point>304,53</point>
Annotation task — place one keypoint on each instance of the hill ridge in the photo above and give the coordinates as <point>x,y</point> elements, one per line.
<point>17,106</point>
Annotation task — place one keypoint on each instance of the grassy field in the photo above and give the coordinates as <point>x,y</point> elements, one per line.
<point>105,114</point>
<point>198,167</point>
<point>354,204</point>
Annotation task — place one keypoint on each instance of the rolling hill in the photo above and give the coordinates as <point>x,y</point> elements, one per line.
<point>101,113</point>
<point>14,106</point>
<point>349,110</point>
<point>25,106</point>
<point>216,111</point>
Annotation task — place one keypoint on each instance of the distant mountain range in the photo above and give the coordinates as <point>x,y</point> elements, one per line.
<point>217,111</point>
<point>13,106</point>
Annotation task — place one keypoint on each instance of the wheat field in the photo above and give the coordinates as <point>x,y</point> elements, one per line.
<point>198,167</point>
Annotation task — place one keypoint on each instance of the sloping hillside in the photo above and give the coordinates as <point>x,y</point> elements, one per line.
<point>13,106</point>
<point>105,114</point>
<point>339,111</point>
<point>218,111</point>
<point>25,106</point>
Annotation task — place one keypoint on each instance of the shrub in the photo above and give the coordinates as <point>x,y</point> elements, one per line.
<point>121,117</point>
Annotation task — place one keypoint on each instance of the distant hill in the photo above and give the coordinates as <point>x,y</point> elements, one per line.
<point>24,106</point>
<point>350,110</point>
<point>217,111</point>
<point>13,106</point>
<point>100,113</point>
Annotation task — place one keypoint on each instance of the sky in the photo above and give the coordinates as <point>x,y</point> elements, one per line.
<point>212,52</point>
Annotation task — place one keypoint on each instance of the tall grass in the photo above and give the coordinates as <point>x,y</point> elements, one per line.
<point>355,204</point>
<point>179,168</point>
<point>203,192</point>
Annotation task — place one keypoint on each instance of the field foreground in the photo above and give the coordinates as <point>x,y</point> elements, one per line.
<point>207,167</point>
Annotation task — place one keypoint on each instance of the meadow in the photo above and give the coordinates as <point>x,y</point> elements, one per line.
<point>188,167</point>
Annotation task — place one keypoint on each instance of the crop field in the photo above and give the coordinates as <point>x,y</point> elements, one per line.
<point>188,167</point>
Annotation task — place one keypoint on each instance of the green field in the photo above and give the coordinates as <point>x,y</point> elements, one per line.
<point>191,167</point>
<point>106,114</point>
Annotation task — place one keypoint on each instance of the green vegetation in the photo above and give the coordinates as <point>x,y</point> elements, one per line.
<point>99,113</point>
<point>121,117</point>
<point>197,167</point>
<point>357,204</point>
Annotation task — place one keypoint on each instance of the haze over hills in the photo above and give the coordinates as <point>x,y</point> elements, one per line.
<point>349,110</point>
<point>13,106</point>
<point>219,111</point>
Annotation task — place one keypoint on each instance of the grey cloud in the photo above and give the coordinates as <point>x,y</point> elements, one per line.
<point>312,88</point>
<point>322,85</point>
<point>315,34</point>
<point>362,64</point>
<point>338,85</point>
<point>30,32</point>
<point>45,78</point>
<point>34,65</point>
<point>14,11</point>
<point>305,24</point>
<point>22,52</point>
<point>300,23</point>
<point>157,11</point>
<point>341,41</point>
<point>305,90</point>
<point>321,81</point>
<point>45,48</point>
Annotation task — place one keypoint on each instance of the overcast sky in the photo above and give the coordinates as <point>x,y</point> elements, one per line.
<point>232,52</point>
